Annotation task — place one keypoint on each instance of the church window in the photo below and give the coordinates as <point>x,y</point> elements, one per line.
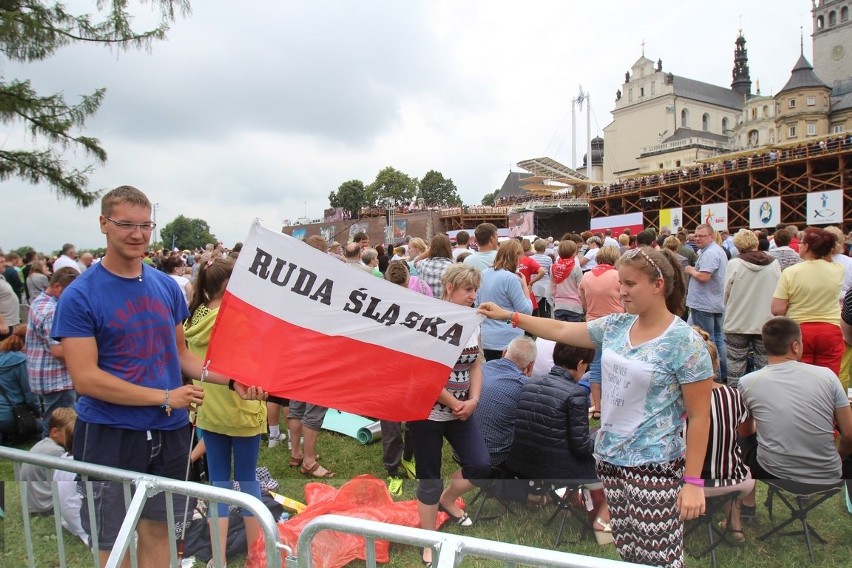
<point>766,111</point>
<point>684,118</point>
<point>677,164</point>
<point>641,92</point>
<point>844,14</point>
<point>832,18</point>
<point>811,129</point>
<point>811,101</point>
<point>753,138</point>
<point>837,129</point>
<point>653,87</point>
<point>791,132</point>
<point>705,122</point>
<point>791,103</point>
<point>725,125</point>
<point>820,23</point>
<point>753,113</point>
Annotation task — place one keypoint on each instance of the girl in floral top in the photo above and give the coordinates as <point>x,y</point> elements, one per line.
<point>655,370</point>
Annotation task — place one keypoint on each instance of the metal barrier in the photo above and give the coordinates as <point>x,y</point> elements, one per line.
<point>448,549</point>
<point>146,486</point>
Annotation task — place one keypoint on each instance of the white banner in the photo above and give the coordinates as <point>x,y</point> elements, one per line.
<point>825,207</point>
<point>764,213</point>
<point>715,215</point>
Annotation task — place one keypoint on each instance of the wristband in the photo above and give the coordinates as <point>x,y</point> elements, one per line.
<point>167,408</point>
<point>231,384</point>
<point>515,317</point>
<point>697,481</point>
<point>474,399</point>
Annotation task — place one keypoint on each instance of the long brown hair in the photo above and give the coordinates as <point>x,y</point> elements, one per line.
<point>210,282</point>
<point>508,255</point>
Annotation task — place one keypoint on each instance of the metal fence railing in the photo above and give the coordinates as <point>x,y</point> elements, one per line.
<point>146,486</point>
<point>448,549</point>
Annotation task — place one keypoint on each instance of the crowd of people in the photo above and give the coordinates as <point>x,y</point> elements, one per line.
<point>743,338</point>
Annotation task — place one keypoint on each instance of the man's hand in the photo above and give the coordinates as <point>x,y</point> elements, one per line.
<point>186,396</point>
<point>464,409</point>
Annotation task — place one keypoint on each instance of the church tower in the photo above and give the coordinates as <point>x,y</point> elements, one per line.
<point>832,41</point>
<point>742,80</point>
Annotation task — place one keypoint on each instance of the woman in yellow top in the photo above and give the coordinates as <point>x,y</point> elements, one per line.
<point>232,426</point>
<point>809,293</point>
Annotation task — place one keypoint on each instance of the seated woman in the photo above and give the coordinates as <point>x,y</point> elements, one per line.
<point>15,387</point>
<point>552,440</point>
<point>724,470</point>
<point>58,442</point>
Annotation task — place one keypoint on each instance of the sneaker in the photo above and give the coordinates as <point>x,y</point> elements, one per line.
<point>395,485</point>
<point>410,469</point>
<point>274,441</point>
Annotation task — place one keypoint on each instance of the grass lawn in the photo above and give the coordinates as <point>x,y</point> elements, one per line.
<point>348,459</point>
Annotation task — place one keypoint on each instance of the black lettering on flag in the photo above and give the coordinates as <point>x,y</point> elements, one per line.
<point>323,293</point>
<point>411,320</point>
<point>356,297</point>
<point>260,264</point>
<point>276,273</point>
<point>453,335</point>
<point>430,326</point>
<point>371,309</point>
<point>304,282</point>
<point>390,316</point>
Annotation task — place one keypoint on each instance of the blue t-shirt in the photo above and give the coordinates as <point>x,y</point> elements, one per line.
<point>709,296</point>
<point>642,410</point>
<point>504,289</point>
<point>134,324</point>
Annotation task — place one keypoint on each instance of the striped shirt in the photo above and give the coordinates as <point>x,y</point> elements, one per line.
<point>723,464</point>
<point>47,373</point>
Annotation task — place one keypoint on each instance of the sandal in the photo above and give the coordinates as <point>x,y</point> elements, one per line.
<point>463,520</point>
<point>737,535</point>
<point>604,535</point>
<point>316,470</point>
<point>296,462</point>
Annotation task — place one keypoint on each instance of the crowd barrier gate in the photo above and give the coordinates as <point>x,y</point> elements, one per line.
<point>450,548</point>
<point>146,486</point>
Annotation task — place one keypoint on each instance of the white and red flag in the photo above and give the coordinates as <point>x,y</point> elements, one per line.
<point>303,325</point>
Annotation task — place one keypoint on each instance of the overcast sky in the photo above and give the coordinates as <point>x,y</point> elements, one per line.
<point>261,108</point>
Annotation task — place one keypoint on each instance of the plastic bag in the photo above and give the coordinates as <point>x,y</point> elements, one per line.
<point>364,497</point>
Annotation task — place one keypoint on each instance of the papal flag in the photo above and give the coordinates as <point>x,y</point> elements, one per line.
<point>303,325</point>
<point>672,218</point>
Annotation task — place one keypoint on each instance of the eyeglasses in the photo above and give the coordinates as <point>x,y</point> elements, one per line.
<point>638,250</point>
<point>130,227</point>
<point>697,236</point>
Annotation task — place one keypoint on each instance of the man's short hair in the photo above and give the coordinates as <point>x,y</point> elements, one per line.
<point>484,233</point>
<point>645,238</point>
<point>521,351</point>
<point>360,237</point>
<point>352,251</point>
<point>397,272</point>
<point>569,356</point>
<point>369,255</point>
<point>462,237</point>
<point>782,238</point>
<point>123,194</point>
<point>67,247</point>
<point>64,276</point>
<point>778,334</point>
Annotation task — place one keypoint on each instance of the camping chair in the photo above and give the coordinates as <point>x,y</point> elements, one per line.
<point>800,499</point>
<point>492,490</point>
<point>715,535</point>
<point>563,497</point>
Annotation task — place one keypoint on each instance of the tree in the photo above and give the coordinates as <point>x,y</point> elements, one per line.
<point>350,195</point>
<point>33,30</point>
<point>489,198</point>
<point>185,233</point>
<point>391,184</point>
<point>439,191</point>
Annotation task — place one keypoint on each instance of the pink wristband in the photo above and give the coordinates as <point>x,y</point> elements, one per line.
<point>697,481</point>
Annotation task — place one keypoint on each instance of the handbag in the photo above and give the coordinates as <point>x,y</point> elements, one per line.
<point>25,420</point>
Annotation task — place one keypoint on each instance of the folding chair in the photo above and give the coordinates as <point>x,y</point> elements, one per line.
<point>491,491</point>
<point>715,535</point>
<point>800,499</point>
<point>563,498</point>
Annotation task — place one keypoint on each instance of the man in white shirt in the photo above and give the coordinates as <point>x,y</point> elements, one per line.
<point>68,258</point>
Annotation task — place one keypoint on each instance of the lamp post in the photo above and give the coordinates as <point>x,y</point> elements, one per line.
<point>155,207</point>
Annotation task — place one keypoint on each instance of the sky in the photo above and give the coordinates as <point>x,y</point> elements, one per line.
<point>260,109</point>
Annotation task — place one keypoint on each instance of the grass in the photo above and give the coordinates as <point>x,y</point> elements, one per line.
<point>527,527</point>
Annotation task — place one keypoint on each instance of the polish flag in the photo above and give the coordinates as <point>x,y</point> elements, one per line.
<point>303,325</point>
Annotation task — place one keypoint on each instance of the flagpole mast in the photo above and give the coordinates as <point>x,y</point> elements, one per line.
<point>574,133</point>
<point>588,136</point>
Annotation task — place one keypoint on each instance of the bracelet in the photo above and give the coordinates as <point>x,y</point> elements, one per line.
<point>231,384</point>
<point>474,399</point>
<point>515,318</point>
<point>167,408</point>
<point>697,481</point>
